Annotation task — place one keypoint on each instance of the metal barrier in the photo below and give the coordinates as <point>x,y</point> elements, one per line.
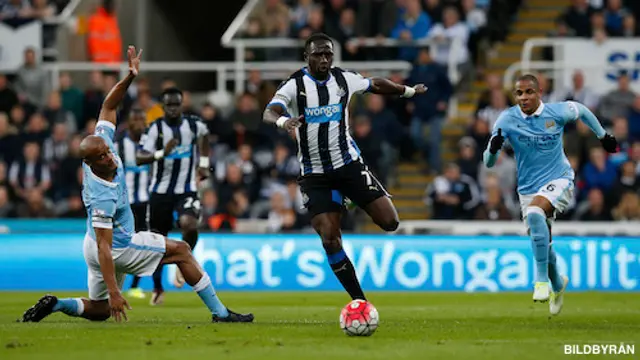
<point>573,228</point>
<point>273,70</point>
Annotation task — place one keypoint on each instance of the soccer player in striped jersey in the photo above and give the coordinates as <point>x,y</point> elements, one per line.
<point>313,103</point>
<point>172,143</point>
<point>111,247</point>
<point>137,178</point>
<point>545,178</point>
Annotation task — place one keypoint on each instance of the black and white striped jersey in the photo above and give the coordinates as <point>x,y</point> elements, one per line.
<point>136,176</point>
<point>176,172</point>
<point>324,141</point>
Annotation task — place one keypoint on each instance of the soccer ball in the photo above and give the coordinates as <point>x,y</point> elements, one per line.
<point>359,318</point>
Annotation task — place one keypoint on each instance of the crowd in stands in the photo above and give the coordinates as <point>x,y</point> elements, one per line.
<point>607,186</point>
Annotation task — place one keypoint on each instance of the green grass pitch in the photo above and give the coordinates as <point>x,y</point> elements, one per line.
<point>304,325</point>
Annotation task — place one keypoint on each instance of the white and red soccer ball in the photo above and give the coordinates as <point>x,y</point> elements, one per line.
<point>359,318</point>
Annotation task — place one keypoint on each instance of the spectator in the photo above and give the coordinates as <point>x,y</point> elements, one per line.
<point>35,205</point>
<point>66,178</point>
<point>614,15</point>
<point>452,195</point>
<point>31,81</point>
<point>578,16</point>
<point>634,120</point>
<point>594,208</point>
<point>6,207</point>
<point>368,142</point>
<point>300,13</point>
<point>629,27</point>
<point>430,109</point>
<point>37,129</point>
<point>56,147</point>
<point>8,97</point>
<point>433,8</point>
<point>628,181</point>
<point>152,109</point>
<point>30,172</point>
<point>72,98</point>
<point>414,24</point>
<point>315,23</point>
<point>232,200</point>
<point>73,207</point>
<point>262,90</point>
<point>621,132</point>
<point>598,24</point>
<point>246,119</point>
<point>468,158</point>
<point>617,103</point>
<point>475,19</point>
<point>445,35</point>
<point>285,166</point>
<point>578,92</point>
<point>43,9</point>
<point>254,30</point>
<point>271,14</point>
<point>494,82</point>
<point>635,155</point>
<point>580,142</point>
<point>104,44</point>
<point>387,128</point>
<point>93,97</point>
<point>561,30</point>
<point>9,141</point>
<point>209,204</point>
<point>497,105</point>
<point>628,209</point>
<point>281,217</point>
<point>344,30</point>
<point>16,12</point>
<point>376,18</point>
<point>599,172</point>
<point>493,207</point>
<point>505,172</point>
<point>18,118</point>
<point>55,113</point>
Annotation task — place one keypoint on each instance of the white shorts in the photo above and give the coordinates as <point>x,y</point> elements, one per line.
<point>141,257</point>
<point>559,192</point>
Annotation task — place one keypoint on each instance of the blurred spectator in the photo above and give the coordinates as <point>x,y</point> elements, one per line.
<point>152,108</point>
<point>494,82</point>
<point>43,9</point>
<point>16,12</point>
<point>300,13</point>
<point>6,207</point>
<point>35,205</point>
<point>561,30</point>
<point>599,172</point>
<point>629,27</point>
<point>445,34</point>
<point>368,142</point>
<point>209,204</point>
<point>262,90</point>
<point>104,44</point>
<point>476,20</point>
<point>72,98</point>
<point>385,127</point>
<point>634,120</point>
<point>73,207</point>
<point>55,113</point>
<point>281,216</point>
<point>414,24</point>
<point>9,141</point>
<point>344,30</point>
<point>430,109</point>
<point>68,177</point>
<point>578,92</point>
<point>580,142</point>
<point>18,117</point>
<point>376,18</point>
<point>621,132</point>
<point>32,81</point>
<point>493,208</point>
<point>628,209</point>
<point>614,15</point>
<point>480,132</point>
<point>37,129</point>
<point>496,106</point>
<point>594,208</point>
<point>578,17</point>
<point>468,158</point>
<point>246,119</point>
<point>598,24</point>
<point>285,165</point>
<point>232,200</point>
<point>628,181</point>
<point>56,147</point>
<point>505,173</point>
<point>452,195</point>
<point>617,102</point>
<point>29,172</point>
<point>8,97</point>
<point>271,14</point>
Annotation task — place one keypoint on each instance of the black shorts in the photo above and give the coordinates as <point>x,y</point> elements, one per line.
<point>140,216</point>
<point>326,192</point>
<point>166,209</point>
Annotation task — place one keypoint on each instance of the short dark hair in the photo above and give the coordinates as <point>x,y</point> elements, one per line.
<point>172,91</point>
<point>317,37</point>
<point>530,77</point>
<point>136,110</point>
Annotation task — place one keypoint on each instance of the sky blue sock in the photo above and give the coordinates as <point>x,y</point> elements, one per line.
<point>71,307</point>
<point>554,275</point>
<point>205,290</point>
<point>539,233</point>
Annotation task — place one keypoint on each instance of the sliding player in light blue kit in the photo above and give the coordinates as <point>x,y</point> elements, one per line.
<point>545,177</point>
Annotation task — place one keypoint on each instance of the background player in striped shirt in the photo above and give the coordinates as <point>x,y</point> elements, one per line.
<point>172,143</point>
<point>313,104</point>
<point>137,178</point>
<point>111,247</point>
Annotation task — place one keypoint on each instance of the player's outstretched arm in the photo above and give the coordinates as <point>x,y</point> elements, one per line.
<point>609,143</point>
<point>116,94</point>
<point>384,86</point>
<point>104,238</point>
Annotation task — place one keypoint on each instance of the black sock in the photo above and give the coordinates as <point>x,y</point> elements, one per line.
<point>346,274</point>
<point>157,279</point>
<point>135,282</point>
<point>191,238</point>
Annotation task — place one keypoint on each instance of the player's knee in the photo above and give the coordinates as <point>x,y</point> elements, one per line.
<point>188,224</point>
<point>330,238</point>
<point>390,224</point>
<point>536,217</point>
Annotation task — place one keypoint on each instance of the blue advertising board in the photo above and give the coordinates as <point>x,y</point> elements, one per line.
<point>50,262</point>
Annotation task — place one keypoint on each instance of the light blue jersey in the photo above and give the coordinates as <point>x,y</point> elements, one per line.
<point>107,202</point>
<point>537,142</point>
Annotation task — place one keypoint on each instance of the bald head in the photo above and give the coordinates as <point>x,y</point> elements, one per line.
<point>91,146</point>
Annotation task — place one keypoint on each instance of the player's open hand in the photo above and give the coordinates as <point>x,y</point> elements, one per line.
<point>170,146</point>
<point>134,60</point>
<point>609,143</point>
<point>292,124</point>
<point>496,142</point>
<point>203,173</point>
<point>118,304</point>
<point>420,89</point>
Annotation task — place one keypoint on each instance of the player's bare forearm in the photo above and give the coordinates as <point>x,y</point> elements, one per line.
<point>203,146</point>
<point>104,238</point>
<point>272,114</point>
<point>114,98</point>
<point>384,86</point>
<point>144,157</point>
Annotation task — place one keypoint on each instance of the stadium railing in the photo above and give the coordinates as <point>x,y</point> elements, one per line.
<point>571,228</point>
<point>223,70</point>
<point>62,18</point>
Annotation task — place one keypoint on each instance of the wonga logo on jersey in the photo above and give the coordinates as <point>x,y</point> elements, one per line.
<point>323,114</point>
<point>180,152</point>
